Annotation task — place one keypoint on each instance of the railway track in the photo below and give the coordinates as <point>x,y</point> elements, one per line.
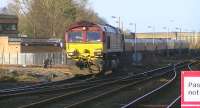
<point>25,97</point>
<point>45,93</point>
<point>153,99</point>
<point>76,80</point>
<point>76,94</point>
<point>60,87</point>
<point>123,95</point>
<point>47,84</point>
<point>72,97</point>
<point>176,102</point>
<point>51,86</point>
<point>190,66</point>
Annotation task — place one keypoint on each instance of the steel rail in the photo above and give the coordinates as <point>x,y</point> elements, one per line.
<point>173,102</point>
<point>41,85</point>
<point>61,87</point>
<point>81,103</point>
<point>112,91</point>
<point>151,92</point>
<point>178,98</point>
<point>38,90</point>
<point>86,89</point>
<point>37,104</point>
<point>47,85</point>
<point>190,65</point>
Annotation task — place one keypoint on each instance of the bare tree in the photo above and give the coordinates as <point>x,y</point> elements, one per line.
<point>49,18</point>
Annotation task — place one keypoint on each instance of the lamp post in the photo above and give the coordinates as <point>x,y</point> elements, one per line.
<point>153,29</point>
<point>167,39</point>
<point>135,39</point>
<point>119,20</point>
<point>170,28</point>
<point>194,41</point>
<point>195,38</point>
<point>180,30</point>
<point>122,26</point>
<point>180,48</point>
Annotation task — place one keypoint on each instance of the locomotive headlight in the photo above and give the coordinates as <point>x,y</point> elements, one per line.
<point>84,28</point>
<point>71,53</point>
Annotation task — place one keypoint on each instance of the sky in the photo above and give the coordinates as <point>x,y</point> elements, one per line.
<point>3,3</point>
<point>148,15</point>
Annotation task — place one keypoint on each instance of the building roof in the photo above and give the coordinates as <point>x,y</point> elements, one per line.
<point>4,16</point>
<point>37,42</point>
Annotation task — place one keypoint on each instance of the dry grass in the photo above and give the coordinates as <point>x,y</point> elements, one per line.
<point>31,74</point>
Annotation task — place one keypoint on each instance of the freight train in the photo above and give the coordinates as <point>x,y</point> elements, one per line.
<point>101,46</point>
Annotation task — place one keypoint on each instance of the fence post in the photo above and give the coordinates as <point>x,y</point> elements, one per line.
<point>60,62</point>
<point>63,55</point>
<point>9,58</point>
<point>25,59</point>
<point>17,58</point>
<point>54,59</point>
<point>33,59</point>
<point>2,55</point>
<point>66,58</point>
<point>62,58</point>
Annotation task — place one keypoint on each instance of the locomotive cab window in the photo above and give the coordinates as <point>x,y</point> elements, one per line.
<point>75,37</point>
<point>93,37</point>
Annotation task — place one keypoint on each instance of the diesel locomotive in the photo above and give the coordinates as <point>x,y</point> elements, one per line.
<point>100,46</point>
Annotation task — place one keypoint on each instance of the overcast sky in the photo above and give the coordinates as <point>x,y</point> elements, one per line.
<point>158,13</point>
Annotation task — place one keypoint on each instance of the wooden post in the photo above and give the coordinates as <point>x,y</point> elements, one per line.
<point>17,58</point>
<point>2,55</point>
<point>9,58</point>
<point>25,59</point>
<point>33,59</point>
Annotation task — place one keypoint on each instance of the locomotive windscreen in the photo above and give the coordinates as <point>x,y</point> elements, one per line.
<point>75,37</point>
<point>93,37</point>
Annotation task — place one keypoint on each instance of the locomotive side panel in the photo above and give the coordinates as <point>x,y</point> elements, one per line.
<point>113,41</point>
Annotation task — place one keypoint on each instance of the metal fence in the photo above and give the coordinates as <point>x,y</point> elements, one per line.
<point>32,58</point>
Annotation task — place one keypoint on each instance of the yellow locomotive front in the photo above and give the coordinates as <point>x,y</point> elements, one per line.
<point>84,43</point>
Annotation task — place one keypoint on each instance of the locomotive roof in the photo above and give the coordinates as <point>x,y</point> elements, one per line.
<point>104,27</point>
